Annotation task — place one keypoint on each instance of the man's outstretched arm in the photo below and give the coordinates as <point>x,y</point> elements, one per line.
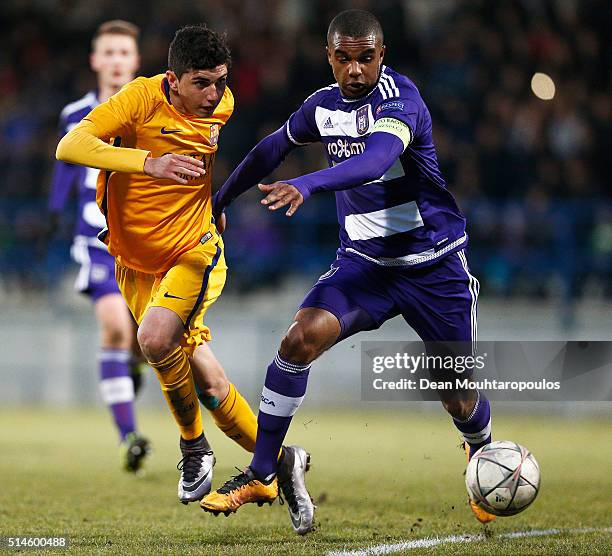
<point>381,151</point>
<point>261,161</point>
<point>83,145</point>
<point>87,143</point>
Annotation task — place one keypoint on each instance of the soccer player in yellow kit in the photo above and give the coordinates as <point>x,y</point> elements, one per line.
<point>114,59</point>
<point>156,141</point>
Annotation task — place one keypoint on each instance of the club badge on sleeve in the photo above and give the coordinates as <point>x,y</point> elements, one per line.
<point>214,134</point>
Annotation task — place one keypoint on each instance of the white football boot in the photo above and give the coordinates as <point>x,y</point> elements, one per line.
<point>196,469</point>
<point>292,468</point>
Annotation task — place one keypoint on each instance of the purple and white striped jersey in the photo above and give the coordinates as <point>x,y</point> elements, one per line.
<point>90,220</point>
<point>407,216</point>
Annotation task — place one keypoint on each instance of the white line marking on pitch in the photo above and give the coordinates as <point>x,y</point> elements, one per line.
<point>435,541</point>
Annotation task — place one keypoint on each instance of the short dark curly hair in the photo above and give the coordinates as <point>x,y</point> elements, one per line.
<point>196,47</point>
<point>354,23</point>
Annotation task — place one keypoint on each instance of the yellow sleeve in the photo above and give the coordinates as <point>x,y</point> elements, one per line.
<point>88,142</point>
<point>83,146</point>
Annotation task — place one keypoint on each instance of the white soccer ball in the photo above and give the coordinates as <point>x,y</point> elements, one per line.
<point>503,478</point>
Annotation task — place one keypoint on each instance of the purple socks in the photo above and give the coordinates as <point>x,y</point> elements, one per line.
<point>476,429</point>
<point>117,388</point>
<point>283,392</point>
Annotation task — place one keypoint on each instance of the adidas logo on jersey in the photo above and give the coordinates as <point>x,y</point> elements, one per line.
<point>328,124</point>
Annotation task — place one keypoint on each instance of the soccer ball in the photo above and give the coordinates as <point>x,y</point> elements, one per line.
<point>503,478</point>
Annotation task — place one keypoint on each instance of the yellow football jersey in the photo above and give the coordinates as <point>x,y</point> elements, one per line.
<point>151,222</point>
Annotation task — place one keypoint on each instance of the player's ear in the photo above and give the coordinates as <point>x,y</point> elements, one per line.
<point>172,80</point>
<point>383,49</point>
<point>329,55</point>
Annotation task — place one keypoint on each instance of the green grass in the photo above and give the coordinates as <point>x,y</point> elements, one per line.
<point>378,477</point>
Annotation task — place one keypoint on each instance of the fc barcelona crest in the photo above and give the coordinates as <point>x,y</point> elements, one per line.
<point>363,121</point>
<point>214,134</point>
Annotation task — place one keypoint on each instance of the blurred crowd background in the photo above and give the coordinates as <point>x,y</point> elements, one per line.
<point>532,176</point>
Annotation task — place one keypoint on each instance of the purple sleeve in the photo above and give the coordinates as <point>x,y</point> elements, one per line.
<point>261,161</point>
<point>408,108</point>
<point>301,127</point>
<point>64,177</point>
<point>381,151</point>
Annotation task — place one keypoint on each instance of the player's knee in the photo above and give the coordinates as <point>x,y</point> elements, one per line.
<point>155,345</point>
<point>301,344</point>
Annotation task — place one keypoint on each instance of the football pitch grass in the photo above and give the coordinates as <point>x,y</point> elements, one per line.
<point>380,477</point>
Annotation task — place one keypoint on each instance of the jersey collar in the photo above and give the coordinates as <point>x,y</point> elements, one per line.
<point>166,89</point>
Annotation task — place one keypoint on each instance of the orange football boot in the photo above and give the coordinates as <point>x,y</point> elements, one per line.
<point>242,489</point>
<point>481,515</point>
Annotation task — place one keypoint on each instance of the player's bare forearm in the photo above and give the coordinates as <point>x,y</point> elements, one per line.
<point>281,194</point>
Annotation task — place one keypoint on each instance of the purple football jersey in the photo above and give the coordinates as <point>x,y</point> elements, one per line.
<point>407,217</point>
<point>90,220</point>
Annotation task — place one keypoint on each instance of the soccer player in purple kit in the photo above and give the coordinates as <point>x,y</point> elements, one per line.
<point>402,240</point>
<point>115,60</point>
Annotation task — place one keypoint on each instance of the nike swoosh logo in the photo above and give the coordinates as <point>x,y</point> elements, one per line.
<point>173,296</point>
<point>194,486</point>
<point>168,131</point>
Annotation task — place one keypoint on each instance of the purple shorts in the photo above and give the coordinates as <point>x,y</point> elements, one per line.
<point>438,301</point>
<point>97,275</point>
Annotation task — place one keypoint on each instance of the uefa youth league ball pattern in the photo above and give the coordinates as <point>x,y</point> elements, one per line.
<point>503,478</point>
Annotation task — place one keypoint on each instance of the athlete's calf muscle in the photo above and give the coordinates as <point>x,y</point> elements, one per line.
<point>458,403</point>
<point>115,322</point>
<point>313,331</point>
<point>209,376</point>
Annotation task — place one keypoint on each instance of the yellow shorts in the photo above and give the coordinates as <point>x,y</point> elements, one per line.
<point>188,289</point>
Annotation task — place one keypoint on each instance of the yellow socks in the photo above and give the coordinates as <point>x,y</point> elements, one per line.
<point>236,419</point>
<point>176,379</point>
